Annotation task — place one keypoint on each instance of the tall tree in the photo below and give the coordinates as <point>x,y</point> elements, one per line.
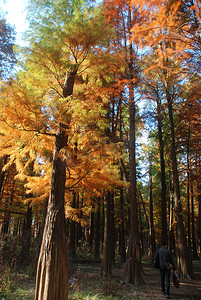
<point>58,50</point>
<point>121,16</point>
<point>52,270</point>
<point>164,16</point>
<point>151,218</point>
<point>153,92</point>
<point>106,266</point>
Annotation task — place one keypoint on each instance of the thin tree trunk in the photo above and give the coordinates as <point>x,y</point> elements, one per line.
<point>135,273</point>
<point>188,189</point>
<point>6,220</point>
<point>195,254</point>
<point>7,210</point>
<point>199,218</point>
<point>102,222</point>
<point>152,242</point>
<point>79,233</point>
<point>122,246</point>
<point>91,236</point>
<point>184,260</point>
<point>97,232</point>
<point>113,231</point>
<point>171,229</point>
<point>141,229</point>
<point>26,237</point>
<point>41,229</point>
<point>106,266</point>
<point>72,243</point>
<point>52,271</point>
<point>164,235</point>
<point>2,173</point>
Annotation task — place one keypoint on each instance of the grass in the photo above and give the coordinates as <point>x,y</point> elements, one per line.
<point>89,285</point>
<point>15,286</point>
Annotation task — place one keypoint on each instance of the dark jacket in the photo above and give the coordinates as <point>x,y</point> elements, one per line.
<point>165,257</point>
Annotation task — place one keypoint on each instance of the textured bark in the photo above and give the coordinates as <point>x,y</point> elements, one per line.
<point>195,254</point>
<point>164,235</point>
<point>184,260</point>
<point>106,266</point>
<point>26,237</point>
<point>135,273</point>
<point>199,218</point>
<point>172,245</point>
<point>122,245</point>
<point>152,243</point>
<point>72,242</point>
<point>52,272</point>
<point>69,83</point>
<point>41,229</point>
<point>113,230</point>
<point>97,233</point>
<point>124,176</point>
<point>2,173</point>
<point>6,221</point>
<point>91,236</point>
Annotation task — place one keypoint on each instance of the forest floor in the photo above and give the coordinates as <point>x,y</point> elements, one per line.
<point>88,284</point>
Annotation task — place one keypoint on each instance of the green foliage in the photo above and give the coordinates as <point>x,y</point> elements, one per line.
<point>9,287</point>
<point>6,285</point>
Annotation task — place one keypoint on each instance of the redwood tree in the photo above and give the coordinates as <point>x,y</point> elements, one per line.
<point>52,270</point>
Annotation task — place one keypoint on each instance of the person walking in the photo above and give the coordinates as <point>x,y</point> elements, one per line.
<point>166,264</point>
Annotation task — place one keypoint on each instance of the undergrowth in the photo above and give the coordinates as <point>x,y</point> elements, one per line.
<point>10,288</point>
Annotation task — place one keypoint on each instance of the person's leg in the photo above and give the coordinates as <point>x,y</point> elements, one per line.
<point>163,281</point>
<point>167,275</point>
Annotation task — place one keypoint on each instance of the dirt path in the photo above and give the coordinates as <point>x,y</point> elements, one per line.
<point>90,281</point>
<point>89,275</point>
<point>189,289</point>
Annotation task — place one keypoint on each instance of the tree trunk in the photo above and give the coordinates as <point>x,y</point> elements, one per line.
<point>171,213</point>
<point>41,229</point>
<point>152,242</point>
<point>91,236</point>
<point>79,233</point>
<point>122,246</point>
<point>188,188</point>
<point>97,232</point>
<point>195,254</point>
<point>141,229</point>
<point>2,173</point>
<point>26,238</point>
<point>7,211</point>
<point>69,82</point>
<point>106,266</point>
<point>164,235</point>
<point>199,218</point>
<point>134,274</point>
<point>72,243</point>
<point>6,221</point>
<point>113,231</point>
<point>184,260</point>
<point>52,272</point>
